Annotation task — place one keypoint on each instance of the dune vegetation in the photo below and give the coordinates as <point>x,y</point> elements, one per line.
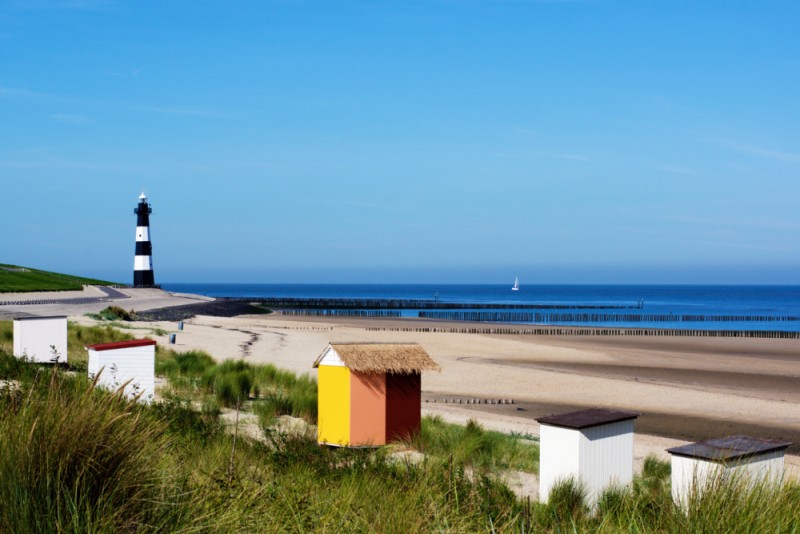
<point>77,458</point>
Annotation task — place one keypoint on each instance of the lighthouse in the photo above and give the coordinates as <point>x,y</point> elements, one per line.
<point>143,262</point>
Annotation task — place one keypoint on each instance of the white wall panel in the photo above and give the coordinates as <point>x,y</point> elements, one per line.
<point>690,473</point>
<point>118,366</point>
<point>559,457</point>
<point>34,336</point>
<point>599,457</point>
<point>606,457</point>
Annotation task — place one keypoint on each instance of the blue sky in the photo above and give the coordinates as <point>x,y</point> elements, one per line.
<point>439,141</point>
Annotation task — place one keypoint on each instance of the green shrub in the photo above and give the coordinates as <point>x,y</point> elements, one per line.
<point>7,336</point>
<point>192,363</point>
<point>112,313</point>
<point>567,500</point>
<point>186,422</point>
<point>13,368</point>
<point>655,468</point>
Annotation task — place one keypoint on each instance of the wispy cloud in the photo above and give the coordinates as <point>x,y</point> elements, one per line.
<point>21,93</point>
<point>17,92</point>
<point>738,245</point>
<point>80,5</point>
<point>524,153</point>
<point>675,169</point>
<point>132,74</point>
<point>57,163</point>
<point>70,118</point>
<point>210,113</point>
<point>767,153</point>
<point>738,221</point>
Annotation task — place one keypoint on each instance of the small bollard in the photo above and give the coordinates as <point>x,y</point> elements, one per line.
<point>180,325</point>
<point>172,339</point>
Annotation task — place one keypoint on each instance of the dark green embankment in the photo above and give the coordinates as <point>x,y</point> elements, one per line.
<point>15,279</point>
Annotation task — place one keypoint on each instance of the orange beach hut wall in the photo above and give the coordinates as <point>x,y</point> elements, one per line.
<point>369,393</point>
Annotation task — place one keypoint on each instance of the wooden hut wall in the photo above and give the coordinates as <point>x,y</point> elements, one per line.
<point>367,409</point>
<point>334,405</point>
<point>403,405</point>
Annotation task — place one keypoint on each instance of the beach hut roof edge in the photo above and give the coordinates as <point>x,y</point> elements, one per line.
<point>587,418</point>
<point>38,317</point>
<point>729,448</point>
<point>397,358</point>
<point>121,344</point>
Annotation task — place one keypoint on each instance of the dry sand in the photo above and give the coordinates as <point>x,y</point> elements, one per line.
<point>687,389</point>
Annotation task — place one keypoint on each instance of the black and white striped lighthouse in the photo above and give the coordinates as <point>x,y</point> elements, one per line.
<point>143,262</point>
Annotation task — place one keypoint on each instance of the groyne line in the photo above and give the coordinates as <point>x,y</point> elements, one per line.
<point>342,313</point>
<point>633,332</point>
<point>415,304</point>
<point>528,317</point>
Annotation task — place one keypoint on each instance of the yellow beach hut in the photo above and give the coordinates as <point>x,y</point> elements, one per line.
<point>369,393</point>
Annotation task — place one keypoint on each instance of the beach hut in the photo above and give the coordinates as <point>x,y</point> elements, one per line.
<point>701,463</point>
<point>369,393</point>
<point>593,447</point>
<point>125,361</point>
<point>40,339</point>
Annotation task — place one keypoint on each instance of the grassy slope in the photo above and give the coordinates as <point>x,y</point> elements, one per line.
<point>37,280</point>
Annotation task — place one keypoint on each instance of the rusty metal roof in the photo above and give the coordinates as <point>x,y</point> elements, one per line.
<point>729,448</point>
<point>587,418</point>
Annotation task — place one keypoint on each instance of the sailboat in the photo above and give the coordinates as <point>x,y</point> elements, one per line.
<point>516,284</point>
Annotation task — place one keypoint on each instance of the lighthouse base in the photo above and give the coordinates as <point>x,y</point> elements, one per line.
<point>143,279</point>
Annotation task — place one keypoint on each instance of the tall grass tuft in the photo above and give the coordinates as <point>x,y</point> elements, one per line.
<point>76,459</point>
<point>737,503</point>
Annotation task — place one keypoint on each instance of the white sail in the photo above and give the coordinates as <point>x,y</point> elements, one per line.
<point>516,284</point>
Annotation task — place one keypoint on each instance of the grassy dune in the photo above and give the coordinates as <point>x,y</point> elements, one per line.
<point>75,458</point>
<point>14,279</point>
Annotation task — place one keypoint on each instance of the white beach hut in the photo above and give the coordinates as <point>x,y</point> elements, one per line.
<point>39,339</point>
<point>125,361</point>
<point>593,447</point>
<point>697,464</point>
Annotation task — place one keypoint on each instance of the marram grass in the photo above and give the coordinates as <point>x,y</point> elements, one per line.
<point>476,447</point>
<point>77,459</point>
<point>270,391</point>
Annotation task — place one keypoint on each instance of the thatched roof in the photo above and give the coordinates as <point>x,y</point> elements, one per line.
<point>399,358</point>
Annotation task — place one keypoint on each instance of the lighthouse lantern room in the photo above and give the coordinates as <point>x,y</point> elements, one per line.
<point>143,261</point>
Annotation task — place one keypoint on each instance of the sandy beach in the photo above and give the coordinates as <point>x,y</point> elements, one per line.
<point>686,389</point>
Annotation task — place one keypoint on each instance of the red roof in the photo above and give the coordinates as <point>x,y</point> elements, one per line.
<point>122,344</point>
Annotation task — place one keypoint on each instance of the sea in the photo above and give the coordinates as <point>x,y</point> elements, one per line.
<point>690,307</point>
